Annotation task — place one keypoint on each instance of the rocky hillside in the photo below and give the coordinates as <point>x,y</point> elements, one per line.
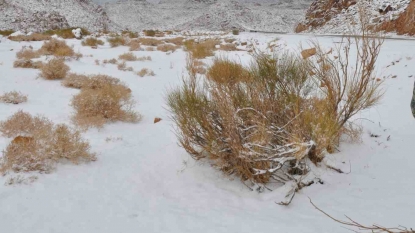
<point>340,16</point>
<point>38,15</point>
<point>261,15</point>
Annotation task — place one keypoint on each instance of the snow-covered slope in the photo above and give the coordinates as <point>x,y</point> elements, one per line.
<point>269,15</point>
<point>38,15</point>
<point>338,17</point>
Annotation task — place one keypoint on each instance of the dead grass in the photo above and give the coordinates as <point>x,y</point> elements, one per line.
<point>228,47</point>
<point>27,53</point>
<point>54,69</point>
<point>92,42</point>
<point>149,33</point>
<point>145,72</point>
<point>38,144</point>
<point>134,45</point>
<point>128,57</point>
<point>13,97</point>
<point>123,67</point>
<point>108,103</point>
<point>202,49</point>
<point>130,34</point>
<point>150,49</point>
<point>177,41</point>
<point>66,33</point>
<point>6,32</point>
<point>150,41</point>
<point>28,64</point>
<point>57,48</point>
<point>144,58</point>
<point>235,32</point>
<point>80,81</point>
<point>226,71</point>
<point>166,48</point>
<point>117,41</point>
<point>32,37</point>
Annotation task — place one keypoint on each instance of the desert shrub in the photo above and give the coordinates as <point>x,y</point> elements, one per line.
<point>111,61</point>
<point>27,53</point>
<point>24,63</point>
<point>144,58</point>
<point>6,32</point>
<point>128,57</point>
<point>177,41</point>
<point>224,70</point>
<point>32,37</point>
<point>117,41</point>
<point>235,32</point>
<point>13,97</point>
<point>150,49</point>
<point>130,34</point>
<point>202,49</point>
<point>123,67</point>
<point>150,41</point>
<point>229,40</point>
<point>57,48</point>
<point>88,81</point>
<point>54,69</point>
<point>108,103</point>
<point>39,144</point>
<point>149,32</point>
<point>91,41</point>
<point>66,33</point>
<point>228,47</point>
<point>134,45</point>
<point>145,72</point>
<point>291,110</point>
<point>166,47</point>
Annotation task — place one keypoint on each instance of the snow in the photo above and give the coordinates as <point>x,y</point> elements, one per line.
<point>144,182</point>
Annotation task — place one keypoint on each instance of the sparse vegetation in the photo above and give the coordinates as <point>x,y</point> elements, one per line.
<point>177,41</point>
<point>66,33</point>
<point>150,42</point>
<point>128,57</point>
<point>166,47</point>
<point>145,72</point>
<point>27,53</point>
<point>57,48</point>
<point>123,67</point>
<point>235,32</point>
<point>107,103</point>
<point>228,47</point>
<point>202,49</point>
<point>13,97</point>
<point>117,41</point>
<point>38,144</point>
<point>224,70</point>
<point>130,34</point>
<point>54,69</point>
<point>80,81</point>
<point>134,45</point>
<point>92,42</point>
<point>149,33</point>
<point>28,64</point>
<point>6,32</point>
<point>32,37</point>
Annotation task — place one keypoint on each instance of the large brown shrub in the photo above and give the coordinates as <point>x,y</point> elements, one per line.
<point>57,48</point>
<point>224,70</point>
<point>27,53</point>
<point>290,110</point>
<point>23,63</point>
<point>108,103</point>
<point>54,69</point>
<point>117,41</point>
<point>92,42</point>
<point>39,144</point>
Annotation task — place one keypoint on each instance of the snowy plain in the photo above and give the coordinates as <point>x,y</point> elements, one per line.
<point>144,182</point>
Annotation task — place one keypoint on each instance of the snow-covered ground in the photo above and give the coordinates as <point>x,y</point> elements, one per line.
<point>144,182</point>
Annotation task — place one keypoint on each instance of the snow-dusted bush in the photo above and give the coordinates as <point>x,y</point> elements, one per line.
<point>80,81</point>
<point>117,41</point>
<point>167,47</point>
<point>288,111</point>
<point>27,53</point>
<point>176,40</point>
<point>149,32</point>
<point>128,57</point>
<point>54,69</point>
<point>150,41</point>
<point>91,41</point>
<point>57,48</point>
<point>108,103</point>
<point>13,97</point>
<point>201,49</point>
<point>134,45</point>
<point>38,144</point>
<point>24,63</point>
<point>145,72</point>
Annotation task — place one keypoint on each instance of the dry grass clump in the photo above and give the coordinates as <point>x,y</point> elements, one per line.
<point>80,81</point>
<point>6,32</point>
<point>201,49</point>
<point>108,103</point>
<point>54,69</point>
<point>176,41</point>
<point>28,64</point>
<point>123,67</point>
<point>128,57</point>
<point>235,32</point>
<point>117,41</point>
<point>134,45</point>
<point>228,47</point>
<point>150,41</point>
<point>267,127</point>
<point>149,32</point>
<point>92,42</point>
<point>57,48</point>
<point>166,47</point>
<point>13,97</point>
<point>66,33</point>
<point>130,34</point>
<point>32,37</point>
<point>150,49</point>
<point>27,53</point>
<point>111,61</point>
<point>224,70</point>
<point>145,72</point>
<point>39,145</point>
<point>144,58</point>
<point>229,40</point>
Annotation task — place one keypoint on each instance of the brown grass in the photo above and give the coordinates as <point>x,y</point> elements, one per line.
<point>145,72</point>
<point>235,32</point>
<point>123,67</point>
<point>108,103</point>
<point>150,42</point>
<point>27,53</point>
<point>39,145</point>
<point>134,45</point>
<point>228,47</point>
<point>166,47</point>
<point>80,81</point>
<point>57,48</point>
<point>92,42</point>
<point>66,33</point>
<point>224,70</point>
<point>149,32</point>
<point>117,41</point>
<point>403,25</point>
<point>13,97</point>
<point>150,49</point>
<point>33,37</point>
<point>6,32</point>
<point>28,64</point>
<point>54,69</point>
<point>130,34</point>
<point>202,49</point>
<point>128,57</point>
<point>176,41</point>
<point>144,58</point>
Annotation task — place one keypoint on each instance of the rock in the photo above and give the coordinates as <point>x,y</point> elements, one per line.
<point>77,33</point>
<point>308,53</point>
<point>156,120</point>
